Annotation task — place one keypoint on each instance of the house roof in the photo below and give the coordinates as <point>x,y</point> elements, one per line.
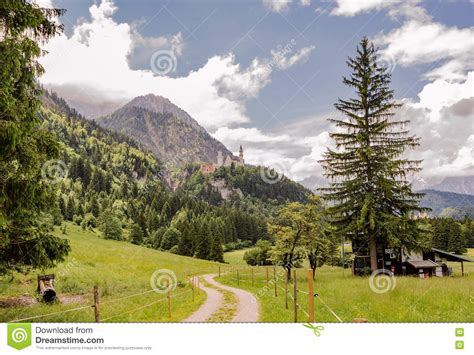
<point>422,264</point>
<point>451,256</point>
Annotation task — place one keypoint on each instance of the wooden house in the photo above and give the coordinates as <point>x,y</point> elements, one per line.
<point>395,261</point>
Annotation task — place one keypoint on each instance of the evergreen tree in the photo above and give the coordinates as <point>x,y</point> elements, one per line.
<point>70,209</point>
<point>136,234</point>
<point>216,251</point>
<point>95,209</point>
<point>369,191</point>
<point>468,232</point>
<point>185,244</point>
<point>24,146</point>
<point>203,245</point>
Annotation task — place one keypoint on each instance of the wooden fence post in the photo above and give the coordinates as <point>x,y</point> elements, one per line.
<point>96,304</point>
<point>310,296</point>
<point>198,284</point>
<point>286,291</point>
<point>251,269</point>
<point>295,292</point>
<point>192,286</point>
<point>219,271</point>
<point>238,278</point>
<point>462,268</point>
<point>275,281</point>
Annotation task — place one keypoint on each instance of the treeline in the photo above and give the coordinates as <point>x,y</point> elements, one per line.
<point>451,235</point>
<point>116,187</point>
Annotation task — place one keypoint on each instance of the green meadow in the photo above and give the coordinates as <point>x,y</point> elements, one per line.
<point>121,270</point>
<point>409,299</point>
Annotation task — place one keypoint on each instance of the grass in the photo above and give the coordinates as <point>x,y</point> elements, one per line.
<point>236,257</point>
<point>449,299</point>
<point>120,269</point>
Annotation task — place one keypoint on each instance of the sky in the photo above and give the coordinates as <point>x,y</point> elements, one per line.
<point>265,74</point>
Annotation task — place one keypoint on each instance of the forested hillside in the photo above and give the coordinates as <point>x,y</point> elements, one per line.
<point>448,204</point>
<point>107,181</point>
<point>243,186</point>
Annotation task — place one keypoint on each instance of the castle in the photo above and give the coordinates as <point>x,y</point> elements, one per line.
<point>224,161</point>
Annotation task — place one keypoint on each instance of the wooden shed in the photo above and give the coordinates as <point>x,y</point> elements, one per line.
<point>443,256</point>
<point>422,268</point>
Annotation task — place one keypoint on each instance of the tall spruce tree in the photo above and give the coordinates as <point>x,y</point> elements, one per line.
<point>369,191</point>
<point>24,147</point>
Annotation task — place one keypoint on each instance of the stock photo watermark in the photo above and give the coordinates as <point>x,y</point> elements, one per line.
<point>163,281</point>
<point>163,62</point>
<point>382,281</point>
<point>53,171</point>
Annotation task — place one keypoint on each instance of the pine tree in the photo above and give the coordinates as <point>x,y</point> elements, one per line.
<point>203,244</point>
<point>24,146</point>
<point>70,209</point>
<point>456,239</point>
<point>369,191</point>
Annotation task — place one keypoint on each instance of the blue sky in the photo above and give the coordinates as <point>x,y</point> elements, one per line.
<point>266,74</point>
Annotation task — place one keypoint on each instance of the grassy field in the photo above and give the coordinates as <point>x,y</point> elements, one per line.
<point>236,257</point>
<point>120,269</point>
<point>449,299</point>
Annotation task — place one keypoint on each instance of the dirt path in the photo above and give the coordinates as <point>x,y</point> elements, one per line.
<point>247,306</point>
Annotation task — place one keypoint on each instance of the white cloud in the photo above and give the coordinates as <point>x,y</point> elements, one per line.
<point>352,8</point>
<point>277,5</point>
<point>284,62</point>
<point>94,63</point>
<point>144,47</point>
<point>426,42</point>
<point>295,155</point>
<point>305,3</point>
<point>443,118</point>
<point>441,93</point>
<point>247,83</point>
<point>395,8</point>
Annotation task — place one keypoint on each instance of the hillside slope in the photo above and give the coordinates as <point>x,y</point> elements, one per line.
<point>90,263</point>
<point>164,128</point>
<point>243,186</point>
<point>448,204</point>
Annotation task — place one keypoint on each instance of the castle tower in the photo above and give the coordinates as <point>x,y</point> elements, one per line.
<point>220,159</point>
<point>241,155</point>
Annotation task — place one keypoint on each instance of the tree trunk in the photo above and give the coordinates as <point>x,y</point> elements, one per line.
<point>314,272</point>
<point>373,252</point>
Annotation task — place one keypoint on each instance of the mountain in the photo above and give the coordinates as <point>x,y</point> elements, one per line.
<point>168,131</point>
<point>108,183</point>
<point>448,204</point>
<point>314,182</point>
<point>457,184</point>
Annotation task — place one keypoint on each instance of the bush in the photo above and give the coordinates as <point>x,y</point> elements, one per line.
<point>77,219</point>
<point>259,255</point>
<point>111,228</point>
<point>170,238</point>
<point>90,221</point>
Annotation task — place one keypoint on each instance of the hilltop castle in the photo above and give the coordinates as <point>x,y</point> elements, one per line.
<point>224,161</point>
